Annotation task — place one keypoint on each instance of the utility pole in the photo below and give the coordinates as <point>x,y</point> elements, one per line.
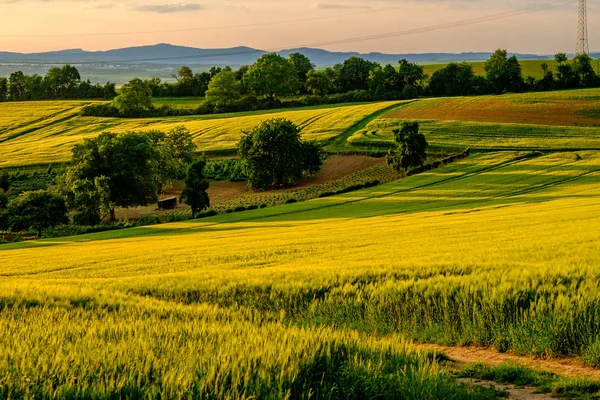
<point>583,46</point>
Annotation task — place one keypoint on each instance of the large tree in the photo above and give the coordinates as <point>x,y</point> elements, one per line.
<point>583,69</point>
<point>176,151</point>
<point>273,155</point>
<point>354,74</point>
<point>17,83</point>
<point>410,74</point>
<point>503,72</point>
<point>272,76</point>
<point>302,65</point>
<point>411,148</point>
<point>453,80</point>
<point>321,82</point>
<point>135,97</point>
<point>224,88</point>
<point>128,161</point>
<point>194,192</point>
<point>37,210</point>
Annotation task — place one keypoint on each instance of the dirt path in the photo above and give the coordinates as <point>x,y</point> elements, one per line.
<point>514,393</point>
<point>465,355</point>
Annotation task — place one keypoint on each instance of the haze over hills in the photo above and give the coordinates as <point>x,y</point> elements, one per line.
<point>166,54</point>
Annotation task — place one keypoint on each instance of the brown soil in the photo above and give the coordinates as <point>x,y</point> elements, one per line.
<point>465,355</point>
<point>335,167</point>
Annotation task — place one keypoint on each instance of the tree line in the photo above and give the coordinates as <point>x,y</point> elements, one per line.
<point>58,83</point>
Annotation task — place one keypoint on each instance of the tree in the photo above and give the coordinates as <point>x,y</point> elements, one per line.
<point>17,84</point>
<point>176,151</point>
<point>547,80</point>
<point>3,211</point>
<point>273,155</point>
<point>320,83</point>
<point>453,80</point>
<point>135,97</point>
<point>503,72</point>
<point>224,88</point>
<point>129,162</point>
<point>302,66</point>
<point>91,199</point>
<point>39,210</point>
<point>62,82</point>
<point>411,150</point>
<point>194,192</point>
<point>354,74</point>
<point>272,76</point>
<point>4,181</point>
<point>3,89</point>
<point>582,67</point>
<point>561,58</point>
<point>410,74</point>
<point>566,78</point>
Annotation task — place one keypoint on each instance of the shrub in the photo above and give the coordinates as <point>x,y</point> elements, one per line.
<point>146,220</point>
<point>291,201</point>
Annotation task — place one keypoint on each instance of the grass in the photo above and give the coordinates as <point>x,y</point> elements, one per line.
<point>545,382</point>
<point>315,297</point>
<point>529,67</point>
<point>41,133</point>
<point>566,120</point>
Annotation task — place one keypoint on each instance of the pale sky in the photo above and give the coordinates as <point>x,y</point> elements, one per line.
<point>42,25</point>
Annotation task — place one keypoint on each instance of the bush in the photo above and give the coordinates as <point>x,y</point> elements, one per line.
<point>263,206</point>
<point>239,209</point>
<point>252,207</point>
<point>18,239</point>
<point>146,220</point>
<point>291,201</point>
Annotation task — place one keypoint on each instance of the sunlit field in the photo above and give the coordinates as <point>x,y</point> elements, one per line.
<point>567,120</point>
<point>499,249</point>
<point>44,132</point>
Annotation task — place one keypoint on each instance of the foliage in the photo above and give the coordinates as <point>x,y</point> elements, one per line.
<point>454,80</point>
<point>503,73</point>
<point>58,83</point>
<point>411,148</point>
<point>128,162</point>
<point>37,210</point>
<point>194,192</point>
<point>4,181</point>
<point>302,65</point>
<point>135,97</point>
<point>224,88</point>
<point>176,151</point>
<point>273,155</point>
<point>272,76</point>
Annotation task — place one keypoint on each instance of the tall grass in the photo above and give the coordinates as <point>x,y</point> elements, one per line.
<point>315,298</point>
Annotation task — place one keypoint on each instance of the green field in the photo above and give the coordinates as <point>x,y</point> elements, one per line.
<point>499,249</point>
<point>529,67</point>
<point>540,121</point>
<point>40,133</point>
<point>34,133</point>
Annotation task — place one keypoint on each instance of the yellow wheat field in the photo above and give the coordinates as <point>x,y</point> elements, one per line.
<point>45,132</point>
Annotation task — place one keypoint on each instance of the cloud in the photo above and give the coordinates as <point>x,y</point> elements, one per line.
<point>167,8</point>
<point>335,6</point>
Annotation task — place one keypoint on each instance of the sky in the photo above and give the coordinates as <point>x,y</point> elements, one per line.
<point>44,25</point>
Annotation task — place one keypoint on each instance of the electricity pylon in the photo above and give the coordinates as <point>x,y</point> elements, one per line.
<point>583,46</point>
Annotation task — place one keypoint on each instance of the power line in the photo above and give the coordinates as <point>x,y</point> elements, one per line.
<point>211,28</point>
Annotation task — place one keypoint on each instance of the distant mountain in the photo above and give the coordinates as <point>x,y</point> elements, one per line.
<point>166,54</point>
